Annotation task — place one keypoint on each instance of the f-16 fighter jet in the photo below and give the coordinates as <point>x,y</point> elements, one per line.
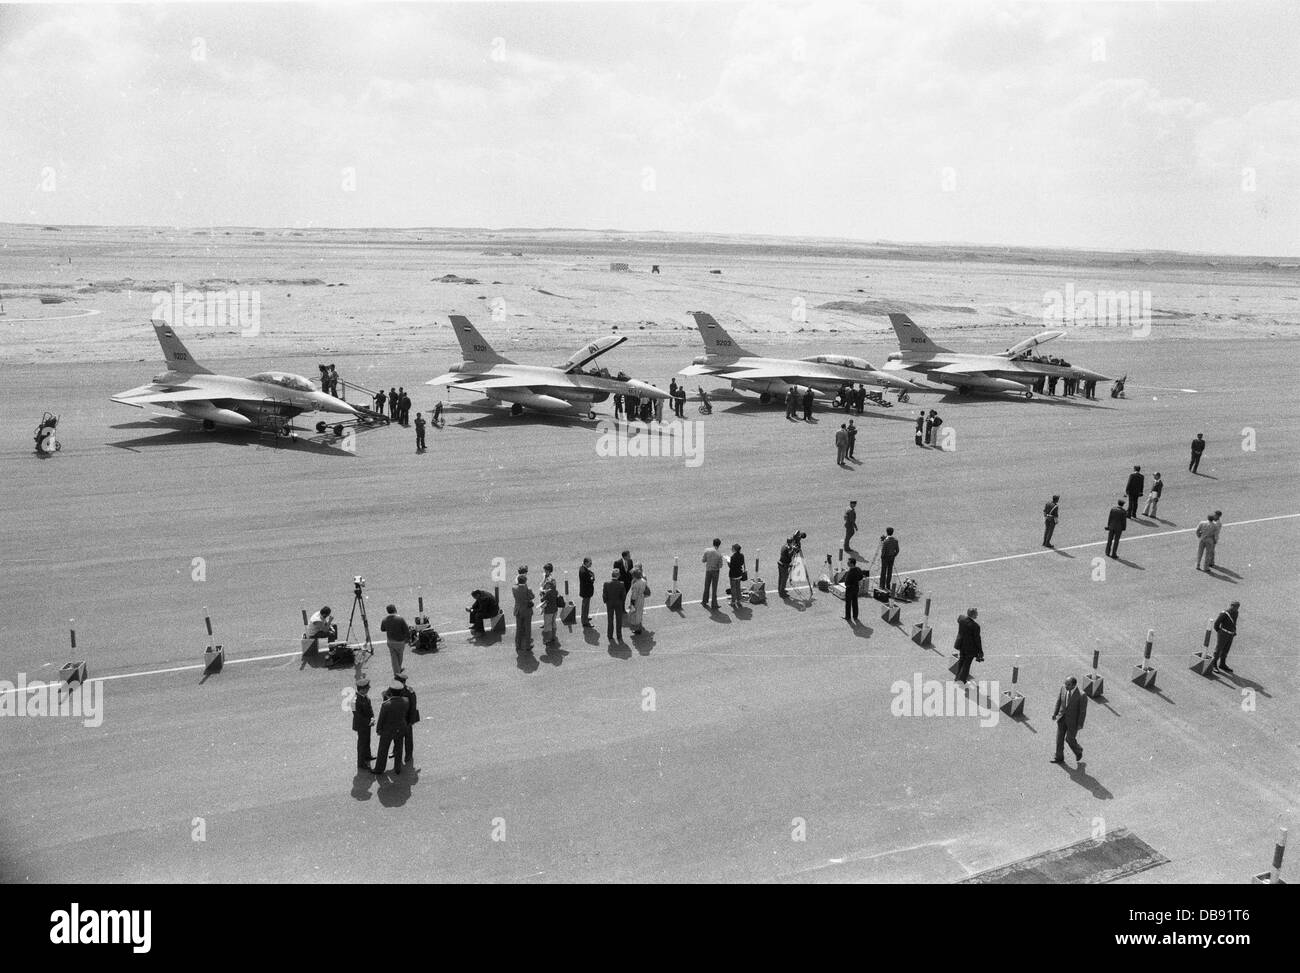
<point>266,401</point>
<point>568,388</point>
<point>773,377</point>
<point>1014,370</point>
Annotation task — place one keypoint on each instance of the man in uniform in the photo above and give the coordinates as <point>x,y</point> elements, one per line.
<point>791,403</point>
<point>852,430</point>
<point>920,425</point>
<point>1225,630</point>
<point>807,404</point>
<point>419,432</point>
<point>363,718</point>
<point>1070,712</point>
<point>1051,514</point>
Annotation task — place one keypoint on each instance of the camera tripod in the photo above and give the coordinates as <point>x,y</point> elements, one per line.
<point>359,604</point>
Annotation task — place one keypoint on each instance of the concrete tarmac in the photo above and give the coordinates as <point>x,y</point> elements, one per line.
<point>756,745</point>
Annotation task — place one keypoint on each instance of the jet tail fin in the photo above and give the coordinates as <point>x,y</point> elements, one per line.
<point>176,356</point>
<point>473,345</point>
<point>911,337</point>
<point>716,339</point>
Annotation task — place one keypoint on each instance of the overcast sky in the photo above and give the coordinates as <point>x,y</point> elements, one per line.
<point>1130,125</point>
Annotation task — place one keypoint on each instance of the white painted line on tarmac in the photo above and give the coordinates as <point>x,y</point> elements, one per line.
<point>1079,547</point>
<point>197,667</point>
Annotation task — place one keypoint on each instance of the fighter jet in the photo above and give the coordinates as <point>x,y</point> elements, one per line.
<point>1014,370</point>
<point>824,374</point>
<point>565,388</point>
<point>267,400</point>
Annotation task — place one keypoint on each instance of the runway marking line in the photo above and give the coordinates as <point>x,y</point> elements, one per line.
<point>464,631</point>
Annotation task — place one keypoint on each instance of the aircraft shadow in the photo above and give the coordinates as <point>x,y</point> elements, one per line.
<point>183,434</point>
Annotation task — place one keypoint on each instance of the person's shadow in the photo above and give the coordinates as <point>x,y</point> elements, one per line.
<point>619,650</point>
<point>526,662</point>
<point>644,643</point>
<point>395,789</point>
<point>1243,683</point>
<point>1129,564</point>
<point>554,655</point>
<point>1081,777</point>
<point>361,785</point>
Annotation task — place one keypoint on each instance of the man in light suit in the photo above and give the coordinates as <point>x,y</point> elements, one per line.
<point>1070,712</point>
<point>1134,488</point>
<point>1207,532</point>
<point>1116,521</point>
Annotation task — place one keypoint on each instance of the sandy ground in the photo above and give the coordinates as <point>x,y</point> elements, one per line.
<point>761,719</point>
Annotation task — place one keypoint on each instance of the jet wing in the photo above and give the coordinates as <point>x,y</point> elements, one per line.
<point>456,380</point>
<point>959,368</point>
<point>154,395</point>
<point>699,370</point>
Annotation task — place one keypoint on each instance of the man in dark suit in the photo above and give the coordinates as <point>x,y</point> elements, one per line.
<point>392,729</point>
<point>1070,712</point>
<point>613,594</point>
<point>852,585</point>
<point>920,425</point>
<point>1198,447</point>
<point>850,524</point>
<point>363,718</point>
<point>888,551</point>
<point>586,589</point>
<point>1225,630</point>
<point>969,645</point>
<point>412,717</point>
<point>1115,524</point>
<point>807,404</point>
<point>1136,484</point>
<point>523,613</point>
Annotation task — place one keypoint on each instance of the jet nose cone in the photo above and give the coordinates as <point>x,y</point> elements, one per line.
<point>328,403</point>
<point>1091,376</point>
<point>648,390</point>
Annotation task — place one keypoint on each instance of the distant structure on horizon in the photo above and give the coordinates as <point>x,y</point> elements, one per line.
<point>618,266</point>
